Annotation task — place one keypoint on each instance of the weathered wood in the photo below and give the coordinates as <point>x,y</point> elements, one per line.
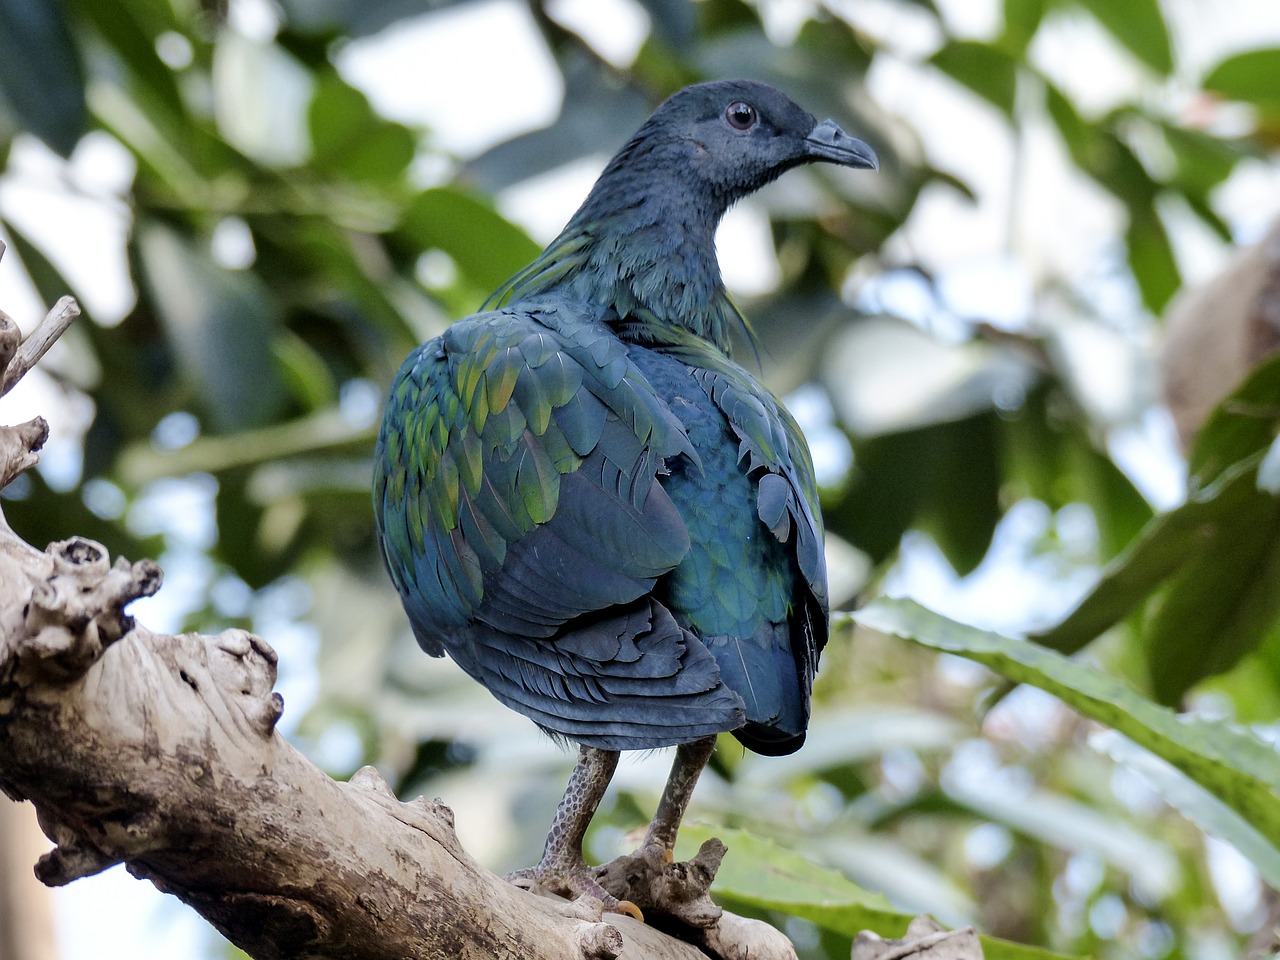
<point>161,752</point>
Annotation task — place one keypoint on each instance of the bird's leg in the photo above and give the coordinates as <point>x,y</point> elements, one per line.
<point>660,838</point>
<point>563,869</point>
<point>649,876</point>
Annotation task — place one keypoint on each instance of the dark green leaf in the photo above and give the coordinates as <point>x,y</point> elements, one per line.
<point>130,31</point>
<point>1240,425</point>
<point>986,70</point>
<point>963,506</point>
<point>1233,764</point>
<point>1187,535</point>
<point>221,323</point>
<point>487,248</point>
<point>1151,258</point>
<point>1249,76</point>
<point>348,138</point>
<point>40,73</point>
<point>1220,604</point>
<point>1139,25</point>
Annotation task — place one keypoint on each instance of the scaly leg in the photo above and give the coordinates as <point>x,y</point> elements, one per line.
<point>660,838</point>
<point>563,870</point>
<point>649,877</point>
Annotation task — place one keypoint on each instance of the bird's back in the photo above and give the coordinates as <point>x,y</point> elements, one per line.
<point>579,523</point>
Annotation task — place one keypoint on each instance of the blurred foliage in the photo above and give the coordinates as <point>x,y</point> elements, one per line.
<point>287,244</point>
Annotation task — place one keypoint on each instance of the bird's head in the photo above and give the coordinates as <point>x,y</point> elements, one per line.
<point>734,136</point>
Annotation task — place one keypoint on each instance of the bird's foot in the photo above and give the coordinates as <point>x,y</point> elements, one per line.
<point>575,882</point>
<point>651,878</point>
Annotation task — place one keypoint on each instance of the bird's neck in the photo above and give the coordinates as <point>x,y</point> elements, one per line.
<point>646,251</point>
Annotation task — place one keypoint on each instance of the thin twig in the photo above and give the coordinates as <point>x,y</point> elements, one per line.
<point>40,340</point>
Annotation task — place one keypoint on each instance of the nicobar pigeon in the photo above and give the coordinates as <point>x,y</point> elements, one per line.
<point>592,509</point>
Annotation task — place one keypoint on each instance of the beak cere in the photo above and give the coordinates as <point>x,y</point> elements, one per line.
<point>826,141</point>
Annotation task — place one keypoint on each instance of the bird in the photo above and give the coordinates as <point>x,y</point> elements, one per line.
<point>586,503</point>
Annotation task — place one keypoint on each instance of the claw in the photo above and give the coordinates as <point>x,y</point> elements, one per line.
<point>630,909</point>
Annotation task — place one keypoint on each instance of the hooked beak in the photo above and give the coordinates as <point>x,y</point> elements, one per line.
<point>826,141</point>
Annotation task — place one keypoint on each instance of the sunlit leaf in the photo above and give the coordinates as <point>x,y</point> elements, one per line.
<point>1233,764</point>
<point>41,77</point>
<point>349,138</point>
<point>1021,21</point>
<point>1249,76</point>
<point>984,69</point>
<point>486,247</point>
<point>760,873</point>
<point>1139,25</point>
<point>1203,161</point>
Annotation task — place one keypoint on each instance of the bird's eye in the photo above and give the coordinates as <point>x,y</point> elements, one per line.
<point>741,115</point>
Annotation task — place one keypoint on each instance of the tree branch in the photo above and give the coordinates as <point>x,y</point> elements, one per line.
<point>161,753</point>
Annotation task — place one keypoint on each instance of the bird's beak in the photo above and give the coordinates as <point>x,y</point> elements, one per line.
<point>826,141</point>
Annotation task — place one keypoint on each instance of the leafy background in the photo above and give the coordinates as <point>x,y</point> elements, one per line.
<point>260,231</point>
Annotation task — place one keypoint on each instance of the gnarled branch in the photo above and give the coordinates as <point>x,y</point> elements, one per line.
<point>161,753</point>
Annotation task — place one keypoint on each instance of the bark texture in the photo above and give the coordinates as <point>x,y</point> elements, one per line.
<point>161,752</point>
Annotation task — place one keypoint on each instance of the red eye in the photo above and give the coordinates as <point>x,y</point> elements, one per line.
<point>741,115</point>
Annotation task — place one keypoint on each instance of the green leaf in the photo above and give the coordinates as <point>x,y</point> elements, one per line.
<point>221,324</point>
<point>1021,21</point>
<point>1151,258</point>
<point>40,73</point>
<point>349,138</point>
<point>1241,425</point>
<point>963,506</point>
<point>1203,161</point>
<point>1222,601</point>
<point>1185,536</point>
<point>486,247</point>
<point>1138,25</point>
<point>1250,77</point>
<point>1233,764</point>
<point>762,874</point>
<point>986,70</point>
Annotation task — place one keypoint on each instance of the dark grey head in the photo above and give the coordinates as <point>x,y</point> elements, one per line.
<point>736,136</point>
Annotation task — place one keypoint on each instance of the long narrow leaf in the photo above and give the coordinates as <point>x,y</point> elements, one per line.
<point>1232,764</point>
<point>767,876</point>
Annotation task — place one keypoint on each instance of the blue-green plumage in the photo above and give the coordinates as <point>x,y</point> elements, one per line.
<point>582,499</point>
<point>589,506</point>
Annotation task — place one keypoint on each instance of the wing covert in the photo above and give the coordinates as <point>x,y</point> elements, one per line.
<point>524,443</point>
